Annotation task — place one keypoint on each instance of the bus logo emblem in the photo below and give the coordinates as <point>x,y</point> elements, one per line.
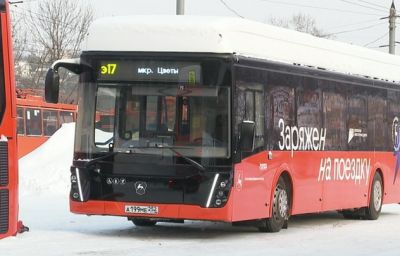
<point>140,187</point>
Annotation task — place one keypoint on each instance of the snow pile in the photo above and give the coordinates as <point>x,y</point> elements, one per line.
<point>46,169</point>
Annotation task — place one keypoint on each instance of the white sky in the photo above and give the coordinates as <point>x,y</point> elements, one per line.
<point>361,17</point>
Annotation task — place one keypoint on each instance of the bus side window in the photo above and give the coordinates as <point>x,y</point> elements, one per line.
<point>254,111</point>
<point>280,100</point>
<point>50,123</point>
<point>377,133</point>
<point>66,117</point>
<point>357,120</point>
<point>33,122</point>
<point>249,106</point>
<point>393,113</point>
<point>20,121</point>
<point>334,116</point>
<point>309,104</point>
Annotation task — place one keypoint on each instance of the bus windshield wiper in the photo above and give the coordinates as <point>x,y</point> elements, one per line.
<point>189,160</point>
<point>198,166</point>
<point>97,159</point>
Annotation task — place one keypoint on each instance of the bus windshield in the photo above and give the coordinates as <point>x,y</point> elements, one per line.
<point>145,118</point>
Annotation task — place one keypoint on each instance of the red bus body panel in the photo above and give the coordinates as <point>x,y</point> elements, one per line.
<point>28,143</point>
<point>341,187</point>
<point>8,127</point>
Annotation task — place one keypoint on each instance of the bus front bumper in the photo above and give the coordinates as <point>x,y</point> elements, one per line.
<point>164,211</point>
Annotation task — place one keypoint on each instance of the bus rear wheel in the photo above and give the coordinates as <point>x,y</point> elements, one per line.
<point>374,208</point>
<point>144,222</point>
<point>280,209</point>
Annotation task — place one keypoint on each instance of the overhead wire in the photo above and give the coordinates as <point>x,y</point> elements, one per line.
<point>43,17</point>
<point>353,24</point>
<point>374,4</point>
<point>231,9</point>
<point>357,29</point>
<point>319,8</point>
<point>376,40</point>
<point>361,5</point>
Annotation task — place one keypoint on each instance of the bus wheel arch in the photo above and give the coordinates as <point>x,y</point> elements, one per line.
<point>371,181</point>
<point>281,204</point>
<point>376,194</point>
<point>289,185</point>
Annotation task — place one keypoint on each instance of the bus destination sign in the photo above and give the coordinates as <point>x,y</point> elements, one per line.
<point>157,71</point>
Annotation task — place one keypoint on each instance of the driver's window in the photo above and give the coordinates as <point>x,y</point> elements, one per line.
<point>250,105</point>
<point>105,115</point>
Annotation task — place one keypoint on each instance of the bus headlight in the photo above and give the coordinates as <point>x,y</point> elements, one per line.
<point>223,184</point>
<point>219,191</point>
<point>80,184</point>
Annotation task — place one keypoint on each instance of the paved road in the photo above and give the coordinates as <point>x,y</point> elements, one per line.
<point>54,231</point>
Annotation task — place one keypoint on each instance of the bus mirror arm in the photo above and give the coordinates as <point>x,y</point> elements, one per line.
<point>73,65</point>
<point>246,136</point>
<point>52,81</point>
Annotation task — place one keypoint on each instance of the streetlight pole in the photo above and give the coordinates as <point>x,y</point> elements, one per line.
<point>392,29</point>
<point>180,7</point>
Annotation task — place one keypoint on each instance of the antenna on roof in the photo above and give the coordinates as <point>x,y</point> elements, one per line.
<point>180,7</point>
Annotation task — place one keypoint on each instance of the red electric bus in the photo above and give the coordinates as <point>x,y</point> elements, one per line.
<point>224,119</point>
<point>37,120</point>
<point>8,136</point>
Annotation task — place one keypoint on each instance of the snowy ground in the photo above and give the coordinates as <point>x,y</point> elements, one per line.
<point>55,231</point>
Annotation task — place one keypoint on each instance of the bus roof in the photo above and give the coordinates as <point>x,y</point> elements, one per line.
<point>200,34</point>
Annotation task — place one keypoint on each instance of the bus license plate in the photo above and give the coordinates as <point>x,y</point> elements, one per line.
<point>141,209</point>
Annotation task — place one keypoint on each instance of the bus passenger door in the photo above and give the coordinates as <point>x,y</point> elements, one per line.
<point>249,193</point>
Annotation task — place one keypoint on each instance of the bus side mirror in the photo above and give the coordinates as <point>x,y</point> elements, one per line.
<point>246,136</point>
<point>52,86</point>
<point>52,81</point>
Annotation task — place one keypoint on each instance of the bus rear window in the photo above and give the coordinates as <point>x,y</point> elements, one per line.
<point>50,122</point>
<point>33,122</point>
<point>20,121</point>
<point>66,117</point>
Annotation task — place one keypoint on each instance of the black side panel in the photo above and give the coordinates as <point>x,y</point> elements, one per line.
<point>4,216</point>
<point>2,5</point>
<point>3,163</point>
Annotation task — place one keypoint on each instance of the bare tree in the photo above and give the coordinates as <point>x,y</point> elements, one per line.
<point>20,43</point>
<point>57,29</point>
<point>19,36</point>
<point>300,22</point>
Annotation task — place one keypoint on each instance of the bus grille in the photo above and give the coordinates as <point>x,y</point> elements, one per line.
<point>3,163</point>
<point>4,204</point>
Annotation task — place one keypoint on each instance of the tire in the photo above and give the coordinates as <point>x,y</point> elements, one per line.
<point>376,199</point>
<point>144,222</point>
<point>280,209</point>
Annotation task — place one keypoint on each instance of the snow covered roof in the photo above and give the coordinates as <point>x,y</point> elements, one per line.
<point>237,36</point>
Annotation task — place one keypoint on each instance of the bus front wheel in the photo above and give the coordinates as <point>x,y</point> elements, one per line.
<point>280,209</point>
<point>144,222</point>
